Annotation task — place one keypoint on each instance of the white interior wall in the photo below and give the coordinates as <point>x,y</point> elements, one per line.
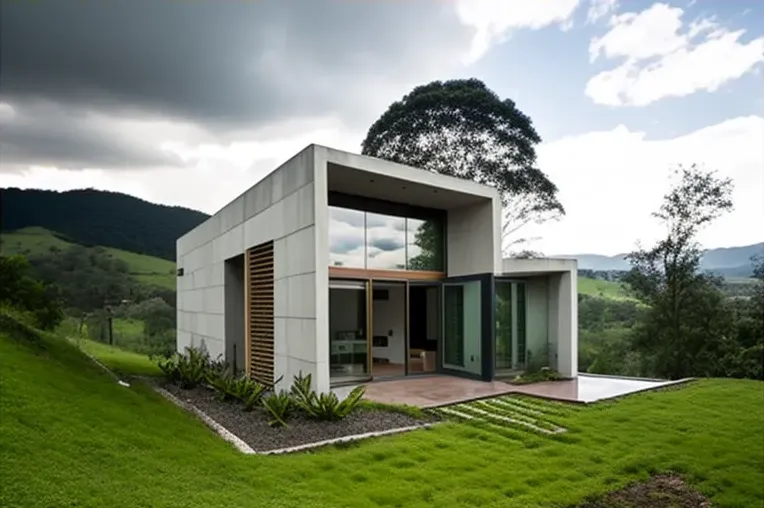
<point>390,316</point>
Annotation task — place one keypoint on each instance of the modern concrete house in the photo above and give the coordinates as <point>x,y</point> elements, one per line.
<point>353,268</point>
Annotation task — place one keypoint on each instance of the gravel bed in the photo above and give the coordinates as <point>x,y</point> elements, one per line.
<point>252,427</point>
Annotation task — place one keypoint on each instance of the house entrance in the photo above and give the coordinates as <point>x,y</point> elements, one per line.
<point>424,327</point>
<point>388,314</point>
<point>383,328</point>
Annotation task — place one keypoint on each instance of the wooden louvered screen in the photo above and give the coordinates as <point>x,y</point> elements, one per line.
<point>259,305</point>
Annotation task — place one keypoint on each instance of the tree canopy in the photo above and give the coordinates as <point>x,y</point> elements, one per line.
<point>21,291</point>
<point>462,128</point>
<point>688,329</point>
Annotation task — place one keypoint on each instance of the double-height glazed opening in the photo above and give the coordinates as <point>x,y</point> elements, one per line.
<point>386,263</point>
<point>393,311</point>
<point>412,288</point>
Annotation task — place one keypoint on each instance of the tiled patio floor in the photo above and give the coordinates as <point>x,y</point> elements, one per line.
<point>432,391</point>
<point>440,390</point>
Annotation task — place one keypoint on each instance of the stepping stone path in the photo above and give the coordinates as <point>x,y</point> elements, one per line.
<point>529,415</point>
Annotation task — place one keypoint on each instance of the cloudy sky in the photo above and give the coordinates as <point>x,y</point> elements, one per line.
<point>187,103</point>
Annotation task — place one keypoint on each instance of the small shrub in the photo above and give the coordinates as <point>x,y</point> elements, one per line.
<point>222,382</point>
<point>254,397</point>
<point>279,405</point>
<point>327,406</point>
<point>301,392</point>
<point>169,368</point>
<point>188,370</point>
<point>192,368</point>
<point>242,387</point>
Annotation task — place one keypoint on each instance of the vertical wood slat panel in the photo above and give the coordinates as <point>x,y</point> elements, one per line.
<point>247,313</point>
<point>260,313</point>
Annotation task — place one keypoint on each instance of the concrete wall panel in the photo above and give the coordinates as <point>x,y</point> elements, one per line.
<point>281,208</point>
<point>471,246</point>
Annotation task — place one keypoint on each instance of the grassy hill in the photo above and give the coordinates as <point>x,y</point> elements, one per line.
<point>93,217</point>
<point>70,436</point>
<point>36,240</point>
<point>602,288</point>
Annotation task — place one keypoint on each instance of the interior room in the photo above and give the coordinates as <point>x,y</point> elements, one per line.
<point>348,338</point>
<point>424,327</point>
<point>389,329</point>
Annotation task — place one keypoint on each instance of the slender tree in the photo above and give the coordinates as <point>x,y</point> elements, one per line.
<point>686,324</point>
<point>461,128</point>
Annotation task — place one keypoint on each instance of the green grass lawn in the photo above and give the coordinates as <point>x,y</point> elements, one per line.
<point>70,436</point>
<point>35,241</point>
<point>602,288</point>
<point>119,360</point>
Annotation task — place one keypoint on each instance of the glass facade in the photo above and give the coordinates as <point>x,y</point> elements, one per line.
<point>348,333</point>
<point>384,242</point>
<point>425,241</point>
<point>462,331</point>
<point>347,237</point>
<point>511,349</point>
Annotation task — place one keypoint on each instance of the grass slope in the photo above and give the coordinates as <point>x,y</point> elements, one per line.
<point>70,436</point>
<point>35,241</point>
<point>118,360</point>
<point>602,288</point>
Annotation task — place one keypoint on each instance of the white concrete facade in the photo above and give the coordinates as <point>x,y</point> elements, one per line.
<point>290,207</point>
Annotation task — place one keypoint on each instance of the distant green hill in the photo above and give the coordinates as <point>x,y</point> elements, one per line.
<point>91,217</point>
<point>602,288</point>
<point>36,241</point>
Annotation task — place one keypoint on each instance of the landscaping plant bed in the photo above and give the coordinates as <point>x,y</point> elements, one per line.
<point>661,491</point>
<point>252,426</point>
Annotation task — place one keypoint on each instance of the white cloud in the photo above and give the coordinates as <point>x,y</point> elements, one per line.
<point>494,20</point>
<point>599,9</point>
<point>665,57</point>
<point>611,181</point>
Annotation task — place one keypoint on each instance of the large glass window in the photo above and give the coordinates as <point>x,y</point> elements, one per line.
<point>504,319</point>
<point>462,329</point>
<point>512,353</point>
<point>347,238</point>
<point>348,334</point>
<point>384,242</point>
<point>424,248</point>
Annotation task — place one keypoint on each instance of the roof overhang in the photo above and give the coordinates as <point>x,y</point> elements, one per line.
<point>379,179</point>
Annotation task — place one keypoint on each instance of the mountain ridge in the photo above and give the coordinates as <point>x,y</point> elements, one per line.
<point>726,261</point>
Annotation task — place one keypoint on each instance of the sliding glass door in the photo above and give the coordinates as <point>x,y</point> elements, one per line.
<point>462,326</point>
<point>510,340</point>
<point>349,329</point>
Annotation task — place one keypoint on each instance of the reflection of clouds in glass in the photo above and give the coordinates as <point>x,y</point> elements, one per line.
<point>350,217</point>
<point>346,238</point>
<point>385,243</point>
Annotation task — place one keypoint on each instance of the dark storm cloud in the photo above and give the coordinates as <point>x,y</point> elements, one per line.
<point>233,65</point>
<point>345,245</point>
<point>47,135</point>
<point>387,244</point>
